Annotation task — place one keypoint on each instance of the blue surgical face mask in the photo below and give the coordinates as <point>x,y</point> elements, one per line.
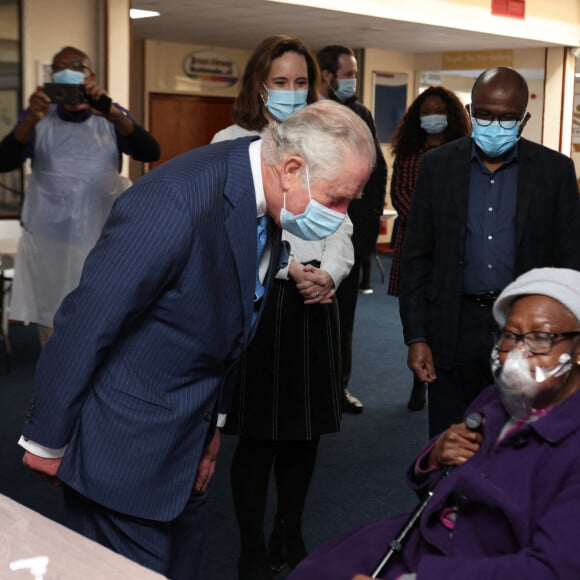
<point>434,124</point>
<point>69,77</point>
<point>316,223</point>
<point>281,104</point>
<point>494,140</point>
<point>346,89</point>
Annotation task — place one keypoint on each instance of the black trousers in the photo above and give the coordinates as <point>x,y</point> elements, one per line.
<point>293,463</point>
<point>455,388</point>
<point>365,264</point>
<point>347,295</point>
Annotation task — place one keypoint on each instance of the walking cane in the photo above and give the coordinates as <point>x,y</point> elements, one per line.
<point>473,421</point>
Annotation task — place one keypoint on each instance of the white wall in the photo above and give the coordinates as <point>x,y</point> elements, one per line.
<point>164,73</point>
<point>48,26</point>
<point>118,60</point>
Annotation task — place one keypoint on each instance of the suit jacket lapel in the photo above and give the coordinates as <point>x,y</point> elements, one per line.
<point>525,188</point>
<point>241,223</point>
<point>459,172</point>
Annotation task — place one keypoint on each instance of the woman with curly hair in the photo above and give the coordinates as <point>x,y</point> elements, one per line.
<point>435,117</point>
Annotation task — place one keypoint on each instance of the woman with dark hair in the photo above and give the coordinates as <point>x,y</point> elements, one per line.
<point>288,389</point>
<point>435,117</point>
<point>266,93</point>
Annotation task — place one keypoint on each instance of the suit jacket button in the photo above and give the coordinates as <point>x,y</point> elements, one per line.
<point>207,416</point>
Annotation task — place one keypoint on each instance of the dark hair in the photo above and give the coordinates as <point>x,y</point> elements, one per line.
<point>83,56</point>
<point>409,137</point>
<point>505,75</point>
<point>328,56</point>
<point>248,110</point>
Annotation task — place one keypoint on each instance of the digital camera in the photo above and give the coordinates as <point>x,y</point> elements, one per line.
<point>67,94</point>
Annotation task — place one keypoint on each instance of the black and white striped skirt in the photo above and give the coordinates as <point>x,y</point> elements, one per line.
<point>288,385</point>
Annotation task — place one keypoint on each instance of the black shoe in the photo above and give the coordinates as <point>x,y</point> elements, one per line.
<point>283,550</point>
<point>417,398</point>
<point>350,404</point>
<point>276,555</point>
<point>253,570</point>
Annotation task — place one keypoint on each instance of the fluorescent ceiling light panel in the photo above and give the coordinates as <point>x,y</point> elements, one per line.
<point>134,13</point>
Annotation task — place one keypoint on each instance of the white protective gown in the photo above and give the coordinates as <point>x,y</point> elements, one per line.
<point>71,190</point>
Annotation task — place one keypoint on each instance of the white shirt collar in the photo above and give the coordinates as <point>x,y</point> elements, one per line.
<point>256,165</point>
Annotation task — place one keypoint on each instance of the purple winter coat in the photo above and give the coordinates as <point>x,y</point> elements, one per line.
<point>519,510</point>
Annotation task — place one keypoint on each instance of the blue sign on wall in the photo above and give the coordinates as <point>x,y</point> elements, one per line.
<point>390,103</point>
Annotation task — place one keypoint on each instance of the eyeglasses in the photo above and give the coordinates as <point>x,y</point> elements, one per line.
<point>535,342</point>
<point>75,65</point>
<point>507,121</point>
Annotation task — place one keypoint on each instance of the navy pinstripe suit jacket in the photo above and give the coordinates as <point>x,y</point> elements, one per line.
<point>130,378</point>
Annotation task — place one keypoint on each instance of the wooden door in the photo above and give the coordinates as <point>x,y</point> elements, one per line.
<point>183,122</point>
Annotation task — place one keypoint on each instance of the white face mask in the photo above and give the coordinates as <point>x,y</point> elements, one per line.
<point>518,386</point>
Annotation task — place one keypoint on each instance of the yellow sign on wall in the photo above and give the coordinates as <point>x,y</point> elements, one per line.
<point>477,59</point>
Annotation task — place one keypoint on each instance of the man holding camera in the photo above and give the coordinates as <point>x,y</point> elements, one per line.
<point>75,135</point>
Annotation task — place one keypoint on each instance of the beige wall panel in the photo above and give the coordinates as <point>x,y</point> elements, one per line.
<point>48,26</point>
<point>163,70</point>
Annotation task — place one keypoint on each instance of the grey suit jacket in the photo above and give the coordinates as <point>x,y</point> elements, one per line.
<point>432,261</point>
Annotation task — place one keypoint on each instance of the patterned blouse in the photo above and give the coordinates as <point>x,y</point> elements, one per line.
<point>402,183</point>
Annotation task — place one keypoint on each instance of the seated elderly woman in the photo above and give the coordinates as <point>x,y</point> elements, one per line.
<point>510,506</point>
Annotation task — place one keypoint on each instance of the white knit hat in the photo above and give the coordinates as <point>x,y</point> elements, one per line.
<point>561,284</point>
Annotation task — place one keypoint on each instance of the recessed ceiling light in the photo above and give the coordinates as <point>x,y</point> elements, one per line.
<point>134,13</point>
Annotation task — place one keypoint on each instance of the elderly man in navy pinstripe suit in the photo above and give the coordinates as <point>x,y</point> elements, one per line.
<point>126,392</point>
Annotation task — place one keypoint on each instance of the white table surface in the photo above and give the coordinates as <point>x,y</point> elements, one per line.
<point>26,534</point>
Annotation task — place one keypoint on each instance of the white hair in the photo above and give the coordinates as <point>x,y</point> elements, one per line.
<point>324,134</point>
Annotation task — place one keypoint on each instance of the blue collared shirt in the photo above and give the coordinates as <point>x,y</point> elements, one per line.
<point>490,232</point>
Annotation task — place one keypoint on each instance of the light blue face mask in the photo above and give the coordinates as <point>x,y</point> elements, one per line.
<point>434,124</point>
<point>316,223</point>
<point>281,104</point>
<point>68,77</point>
<point>493,139</point>
<point>346,89</point>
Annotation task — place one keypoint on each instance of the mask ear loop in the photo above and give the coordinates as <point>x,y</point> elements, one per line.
<point>308,181</point>
<point>562,367</point>
<point>307,186</point>
<point>261,95</point>
<point>267,92</point>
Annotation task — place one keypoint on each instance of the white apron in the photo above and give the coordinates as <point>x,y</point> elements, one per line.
<point>71,190</point>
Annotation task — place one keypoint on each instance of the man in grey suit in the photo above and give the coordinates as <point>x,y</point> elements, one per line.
<point>485,209</point>
<point>125,402</point>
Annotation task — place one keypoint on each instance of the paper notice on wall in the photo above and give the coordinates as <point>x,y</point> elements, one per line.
<point>576,121</point>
